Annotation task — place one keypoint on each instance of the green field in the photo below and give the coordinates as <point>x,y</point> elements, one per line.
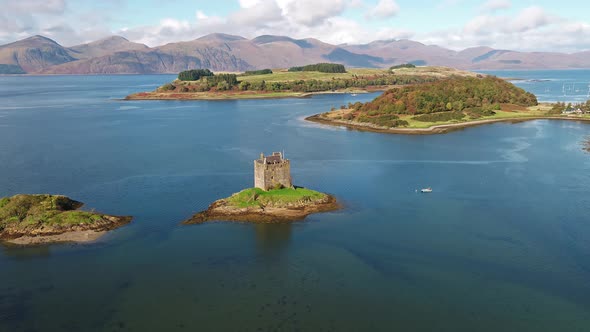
<point>257,197</point>
<point>281,75</point>
<point>48,210</point>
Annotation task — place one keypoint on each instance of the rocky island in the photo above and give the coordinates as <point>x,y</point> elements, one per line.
<point>273,199</point>
<point>38,219</point>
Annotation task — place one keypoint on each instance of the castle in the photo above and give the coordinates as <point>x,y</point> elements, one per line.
<point>272,172</point>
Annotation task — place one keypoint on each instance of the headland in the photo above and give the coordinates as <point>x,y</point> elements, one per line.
<point>447,105</point>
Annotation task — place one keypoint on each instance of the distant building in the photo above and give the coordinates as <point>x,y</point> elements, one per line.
<point>571,110</point>
<point>272,171</point>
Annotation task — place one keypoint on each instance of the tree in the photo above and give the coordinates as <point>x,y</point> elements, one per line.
<point>194,74</point>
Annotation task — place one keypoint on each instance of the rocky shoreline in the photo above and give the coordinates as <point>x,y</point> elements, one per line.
<point>222,210</point>
<point>43,219</point>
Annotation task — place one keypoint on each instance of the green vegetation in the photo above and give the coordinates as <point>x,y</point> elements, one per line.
<point>46,210</point>
<point>439,117</point>
<point>405,65</point>
<point>321,67</point>
<point>559,107</point>
<point>258,72</point>
<point>455,94</point>
<point>456,99</point>
<point>286,82</point>
<point>194,74</point>
<point>283,83</point>
<point>277,197</point>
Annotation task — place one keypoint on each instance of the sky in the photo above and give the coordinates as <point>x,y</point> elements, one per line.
<point>559,26</point>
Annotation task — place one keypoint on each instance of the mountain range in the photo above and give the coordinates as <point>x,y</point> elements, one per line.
<point>221,52</point>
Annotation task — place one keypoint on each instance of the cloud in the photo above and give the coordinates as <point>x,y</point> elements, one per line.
<point>531,18</point>
<point>491,6</point>
<point>312,12</point>
<point>257,14</point>
<point>332,21</point>
<point>530,29</point>
<point>384,9</point>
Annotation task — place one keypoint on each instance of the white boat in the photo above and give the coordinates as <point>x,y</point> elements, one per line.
<point>353,94</point>
<point>426,190</point>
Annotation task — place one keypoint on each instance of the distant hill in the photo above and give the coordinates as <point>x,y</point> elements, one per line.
<point>104,47</point>
<point>223,52</point>
<point>32,55</point>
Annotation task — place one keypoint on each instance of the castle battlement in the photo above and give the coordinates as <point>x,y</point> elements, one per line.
<point>272,171</point>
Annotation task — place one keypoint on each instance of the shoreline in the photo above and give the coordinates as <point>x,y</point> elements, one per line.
<point>433,130</point>
<point>87,236</point>
<point>187,96</point>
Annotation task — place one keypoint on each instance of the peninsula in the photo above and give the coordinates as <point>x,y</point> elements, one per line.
<point>295,82</point>
<point>445,105</point>
<point>39,219</point>
<point>273,199</point>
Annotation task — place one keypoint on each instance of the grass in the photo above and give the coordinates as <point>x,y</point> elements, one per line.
<point>257,197</point>
<point>283,75</point>
<point>43,209</point>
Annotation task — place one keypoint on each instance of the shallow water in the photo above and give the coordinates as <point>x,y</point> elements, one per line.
<point>503,243</point>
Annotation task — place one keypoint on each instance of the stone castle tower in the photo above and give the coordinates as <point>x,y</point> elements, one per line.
<point>272,171</point>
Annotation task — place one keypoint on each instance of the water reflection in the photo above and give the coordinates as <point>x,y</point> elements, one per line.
<point>24,253</point>
<point>272,239</point>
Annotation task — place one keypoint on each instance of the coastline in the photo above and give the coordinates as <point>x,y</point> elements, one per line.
<point>433,130</point>
<point>188,96</point>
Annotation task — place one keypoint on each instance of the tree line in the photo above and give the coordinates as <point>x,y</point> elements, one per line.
<point>321,67</point>
<point>257,72</point>
<point>194,74</point>
<point>405,65</point>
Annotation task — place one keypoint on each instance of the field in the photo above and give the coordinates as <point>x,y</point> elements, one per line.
<point>282,75</point>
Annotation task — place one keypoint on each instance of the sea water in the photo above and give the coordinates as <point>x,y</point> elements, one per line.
<point>502,244</point>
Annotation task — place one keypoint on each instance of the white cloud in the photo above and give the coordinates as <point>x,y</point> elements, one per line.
<point>384,9</point>
<point>201,15</point>
<point>495,5</point>
<point>531,18</point>
<point>257,14</point>
<point>531,28</point>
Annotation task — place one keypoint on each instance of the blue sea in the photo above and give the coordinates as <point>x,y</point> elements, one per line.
<point>502,244</point>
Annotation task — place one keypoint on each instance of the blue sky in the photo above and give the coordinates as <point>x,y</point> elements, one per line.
<point>457,24</point>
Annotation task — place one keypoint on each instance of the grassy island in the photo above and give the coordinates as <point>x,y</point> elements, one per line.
<point>33,219</point>
<point>257,205</point>
<point>295,82</point>
<point>444,105</point>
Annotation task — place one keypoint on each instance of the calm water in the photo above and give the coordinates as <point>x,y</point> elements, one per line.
<point>551,85</point>
<point>503,243</point>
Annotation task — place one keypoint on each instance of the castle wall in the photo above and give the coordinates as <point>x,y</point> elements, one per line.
<point>267,176</point>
